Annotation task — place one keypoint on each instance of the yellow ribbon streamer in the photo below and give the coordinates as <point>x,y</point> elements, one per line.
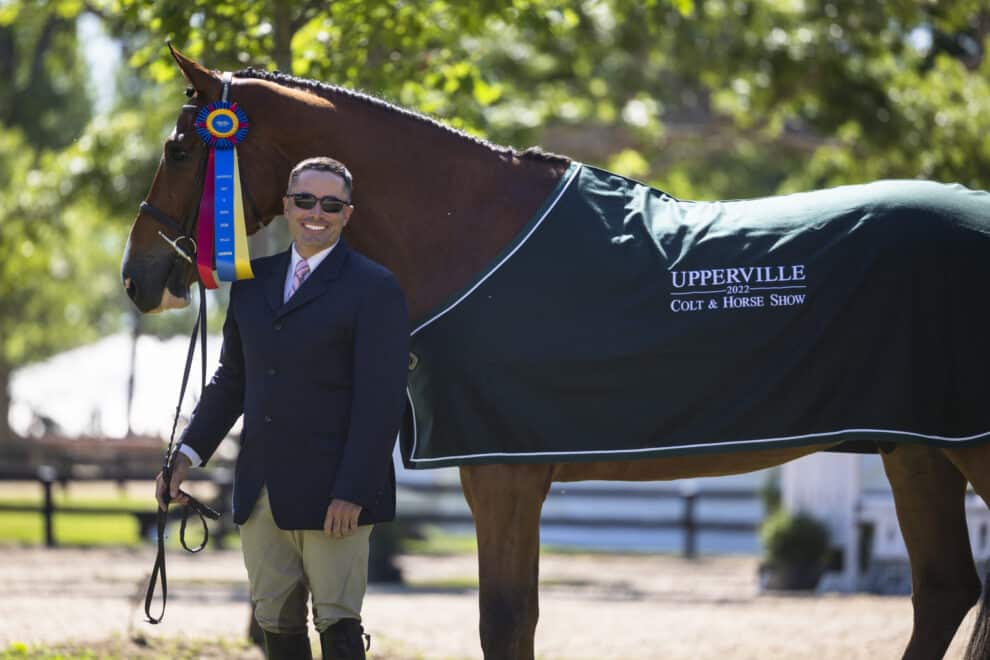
<point>242,258</point>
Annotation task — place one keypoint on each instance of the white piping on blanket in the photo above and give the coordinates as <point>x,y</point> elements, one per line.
<point>536,225</point>
<point>712,446</point>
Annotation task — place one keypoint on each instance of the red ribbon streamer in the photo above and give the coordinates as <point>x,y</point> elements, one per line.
<point>204,229</point>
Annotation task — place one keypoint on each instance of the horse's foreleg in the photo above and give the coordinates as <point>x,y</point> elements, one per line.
<point>974,463</point>
<point>506,501</point>
<point>929,495</point>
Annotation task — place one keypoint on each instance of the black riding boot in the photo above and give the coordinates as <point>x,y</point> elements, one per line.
<point>287,646</point>
<point>344,640</point>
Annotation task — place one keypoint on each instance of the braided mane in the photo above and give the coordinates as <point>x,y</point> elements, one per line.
<point>325,91</point>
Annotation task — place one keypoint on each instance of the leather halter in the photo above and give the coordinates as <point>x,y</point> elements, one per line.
<point>183,231</point>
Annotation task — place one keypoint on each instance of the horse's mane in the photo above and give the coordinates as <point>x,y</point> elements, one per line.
<point>322,90</point>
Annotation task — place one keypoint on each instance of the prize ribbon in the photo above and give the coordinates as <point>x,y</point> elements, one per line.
<point>221,234</point>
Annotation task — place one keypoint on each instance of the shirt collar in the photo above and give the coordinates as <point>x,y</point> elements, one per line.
<point>313,261</point>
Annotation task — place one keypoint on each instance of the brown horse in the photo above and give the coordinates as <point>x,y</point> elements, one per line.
<point>435,206</point>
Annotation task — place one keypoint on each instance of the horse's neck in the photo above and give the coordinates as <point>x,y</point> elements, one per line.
<point>432,206</point>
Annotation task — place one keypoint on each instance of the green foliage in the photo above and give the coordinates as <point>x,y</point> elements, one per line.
<point>63,220</point>
<point>705,99</point>
<point>702,98</point>
<point>43,90</point>
<point>790,538</point>
<point>770,492</point>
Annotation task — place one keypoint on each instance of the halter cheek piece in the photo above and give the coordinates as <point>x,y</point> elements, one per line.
<point>172,225</point>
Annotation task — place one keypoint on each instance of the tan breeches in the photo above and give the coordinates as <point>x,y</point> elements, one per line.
<point>286,566</point>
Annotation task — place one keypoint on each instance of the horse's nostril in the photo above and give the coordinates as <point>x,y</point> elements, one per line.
<point>131,288</point>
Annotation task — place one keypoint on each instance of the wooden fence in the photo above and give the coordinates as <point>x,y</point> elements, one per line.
<point>427,503</point>
<point>585,513</point>
<point>47,477</point>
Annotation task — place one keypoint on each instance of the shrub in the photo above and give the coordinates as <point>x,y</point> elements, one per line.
<point>794,539</point>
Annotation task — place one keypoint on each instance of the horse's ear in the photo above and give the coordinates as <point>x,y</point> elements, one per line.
<point>204,81</point>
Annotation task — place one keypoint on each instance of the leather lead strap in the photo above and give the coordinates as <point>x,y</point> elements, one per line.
<point>202,510</point>
<point>197,507</point>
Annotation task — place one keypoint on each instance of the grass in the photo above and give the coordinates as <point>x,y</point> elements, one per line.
<point>435,541</point>
<point>81,529</point>
<point>123,503</point>
<point>176,648</point>
<point>119,648</point>
<point>73,528</point>
<point>70,529</point>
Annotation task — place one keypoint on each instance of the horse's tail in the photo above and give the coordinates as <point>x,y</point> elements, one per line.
<point>979,642</point>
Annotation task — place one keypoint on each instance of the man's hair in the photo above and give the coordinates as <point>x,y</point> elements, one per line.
<point>323,164</point>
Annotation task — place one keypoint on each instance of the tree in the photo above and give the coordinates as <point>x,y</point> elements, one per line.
<point>708,98</point>
<point>67,189</point>
<point>703,98</point>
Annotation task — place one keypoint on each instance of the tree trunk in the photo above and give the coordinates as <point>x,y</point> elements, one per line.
<point>282,25</point>
<point>276,237</point>
<point>6,435</point>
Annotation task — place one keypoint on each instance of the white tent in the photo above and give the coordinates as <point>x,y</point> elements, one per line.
<point>84,390</point>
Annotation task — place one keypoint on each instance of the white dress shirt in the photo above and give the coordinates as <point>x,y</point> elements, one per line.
<point>294,258</point>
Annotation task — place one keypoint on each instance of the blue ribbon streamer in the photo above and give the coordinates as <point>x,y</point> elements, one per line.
<point>223,196</point>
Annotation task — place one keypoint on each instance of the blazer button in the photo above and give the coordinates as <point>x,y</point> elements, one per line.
<point>278,326</point>
<point>272,371</point>
<point>268,419</point>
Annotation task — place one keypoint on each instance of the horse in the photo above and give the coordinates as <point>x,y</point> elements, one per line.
<point>436,206</point>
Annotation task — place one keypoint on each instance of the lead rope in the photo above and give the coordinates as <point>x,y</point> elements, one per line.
<point>202,510</point>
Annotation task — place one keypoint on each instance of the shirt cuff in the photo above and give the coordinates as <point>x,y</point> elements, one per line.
<point>191,454</point>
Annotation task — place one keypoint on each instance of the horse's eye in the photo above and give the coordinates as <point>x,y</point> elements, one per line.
<point>175,152</point>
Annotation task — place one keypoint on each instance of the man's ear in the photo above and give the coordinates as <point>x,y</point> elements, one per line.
<point>204,81</point>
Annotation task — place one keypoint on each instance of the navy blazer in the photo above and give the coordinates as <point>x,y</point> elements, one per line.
<point>321,382</point>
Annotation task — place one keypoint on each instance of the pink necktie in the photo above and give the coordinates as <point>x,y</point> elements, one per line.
<point>300,273</point>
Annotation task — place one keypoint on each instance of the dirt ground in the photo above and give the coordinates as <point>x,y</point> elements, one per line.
<point>592,606</point>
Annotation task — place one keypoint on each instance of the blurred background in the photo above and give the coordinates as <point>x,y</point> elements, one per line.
<point>705,99</point>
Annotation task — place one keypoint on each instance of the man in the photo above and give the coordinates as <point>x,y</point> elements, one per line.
<point>315,352</point>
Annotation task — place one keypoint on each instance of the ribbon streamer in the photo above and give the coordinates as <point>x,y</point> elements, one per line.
<point>204,229</point>
<point>222,232</point>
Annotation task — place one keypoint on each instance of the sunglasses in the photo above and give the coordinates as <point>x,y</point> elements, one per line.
<point>307,201</point>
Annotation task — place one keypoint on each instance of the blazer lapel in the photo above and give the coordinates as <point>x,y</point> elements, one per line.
<point>275,283</point>
<point>318,281</point>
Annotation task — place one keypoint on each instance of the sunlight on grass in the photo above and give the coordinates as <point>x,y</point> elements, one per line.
<point>436,541</point>
<point>82,529</point>
<point>144,648</point>
<point>70,529</point>
<point>453,583</point>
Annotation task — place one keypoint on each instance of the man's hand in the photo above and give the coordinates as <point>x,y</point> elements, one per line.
<point>342,518</point>
<point>180,467</point>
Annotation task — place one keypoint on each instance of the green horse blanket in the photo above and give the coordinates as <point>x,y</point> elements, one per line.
<point>623,323</point>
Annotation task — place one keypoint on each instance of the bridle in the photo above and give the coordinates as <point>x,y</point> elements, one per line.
<point>202,510</point>
<point>183,232</point>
